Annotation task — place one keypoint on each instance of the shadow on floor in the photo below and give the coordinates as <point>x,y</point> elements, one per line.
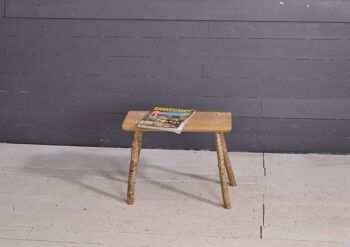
<point>74,167</point>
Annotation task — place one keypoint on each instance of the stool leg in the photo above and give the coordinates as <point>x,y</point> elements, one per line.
<point>229,170</point>
<point>221,159</point>
<point>135,155</point>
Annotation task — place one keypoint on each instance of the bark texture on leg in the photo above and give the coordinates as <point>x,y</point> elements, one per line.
<point>135,155</point>
<point>229,170</point>
<point>222,170</point>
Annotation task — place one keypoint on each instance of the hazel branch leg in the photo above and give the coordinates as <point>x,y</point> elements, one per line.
<point>229,170</point>
<point>135,155</point>
<point>222,170</point>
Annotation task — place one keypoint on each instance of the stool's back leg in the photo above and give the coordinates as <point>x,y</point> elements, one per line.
<point>135,155</point>
<point>229,170</point>
<point>221,159</point>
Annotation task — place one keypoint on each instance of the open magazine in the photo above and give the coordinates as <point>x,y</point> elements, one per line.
<point>167,119</point>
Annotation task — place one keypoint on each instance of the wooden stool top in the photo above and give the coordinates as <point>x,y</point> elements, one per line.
<point>199,122</point>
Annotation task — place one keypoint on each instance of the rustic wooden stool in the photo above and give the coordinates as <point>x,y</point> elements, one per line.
<point>214,122</point>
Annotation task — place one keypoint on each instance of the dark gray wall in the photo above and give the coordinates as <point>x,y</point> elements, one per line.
<point>71,69</point>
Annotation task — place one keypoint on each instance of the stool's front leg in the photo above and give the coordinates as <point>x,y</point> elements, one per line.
<point>222,170</point>
<point>229,170</point>
<point>135,155</point>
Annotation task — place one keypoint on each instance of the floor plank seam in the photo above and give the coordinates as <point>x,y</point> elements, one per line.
<point>264,167</point>
<point>261,232</point>
<point>263,198</point>
<point>263,216</point>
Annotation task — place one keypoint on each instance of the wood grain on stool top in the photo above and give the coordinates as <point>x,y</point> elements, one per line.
<point>199,122</point>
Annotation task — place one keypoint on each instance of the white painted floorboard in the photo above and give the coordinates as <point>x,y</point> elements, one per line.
<point>75,196</point>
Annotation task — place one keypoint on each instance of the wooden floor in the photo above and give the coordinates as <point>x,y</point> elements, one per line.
<point>75,196</point>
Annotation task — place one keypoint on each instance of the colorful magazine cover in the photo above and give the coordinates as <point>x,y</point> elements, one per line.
<point>167,119</point>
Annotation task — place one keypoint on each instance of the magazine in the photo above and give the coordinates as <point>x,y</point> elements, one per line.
<point>167,119</point>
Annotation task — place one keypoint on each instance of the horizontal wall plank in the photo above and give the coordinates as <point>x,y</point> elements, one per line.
<point>258,69</point>
<point>277,144</point>
<point>113,121</point>
<point>286,69</point>
<point>200,86</point>
<point>306,108</point>
<point>123,102</point>
<point>99,66</point>
<point>46,83</point>
<point>101,28</point>
<point>305,128</point>
<point>195,29</point>
<point>251,10</point>
<point>279,30</point>
<point>305,88</point>
<point>62,120</point>
<point>35,135</point>
<point>164,47</point>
